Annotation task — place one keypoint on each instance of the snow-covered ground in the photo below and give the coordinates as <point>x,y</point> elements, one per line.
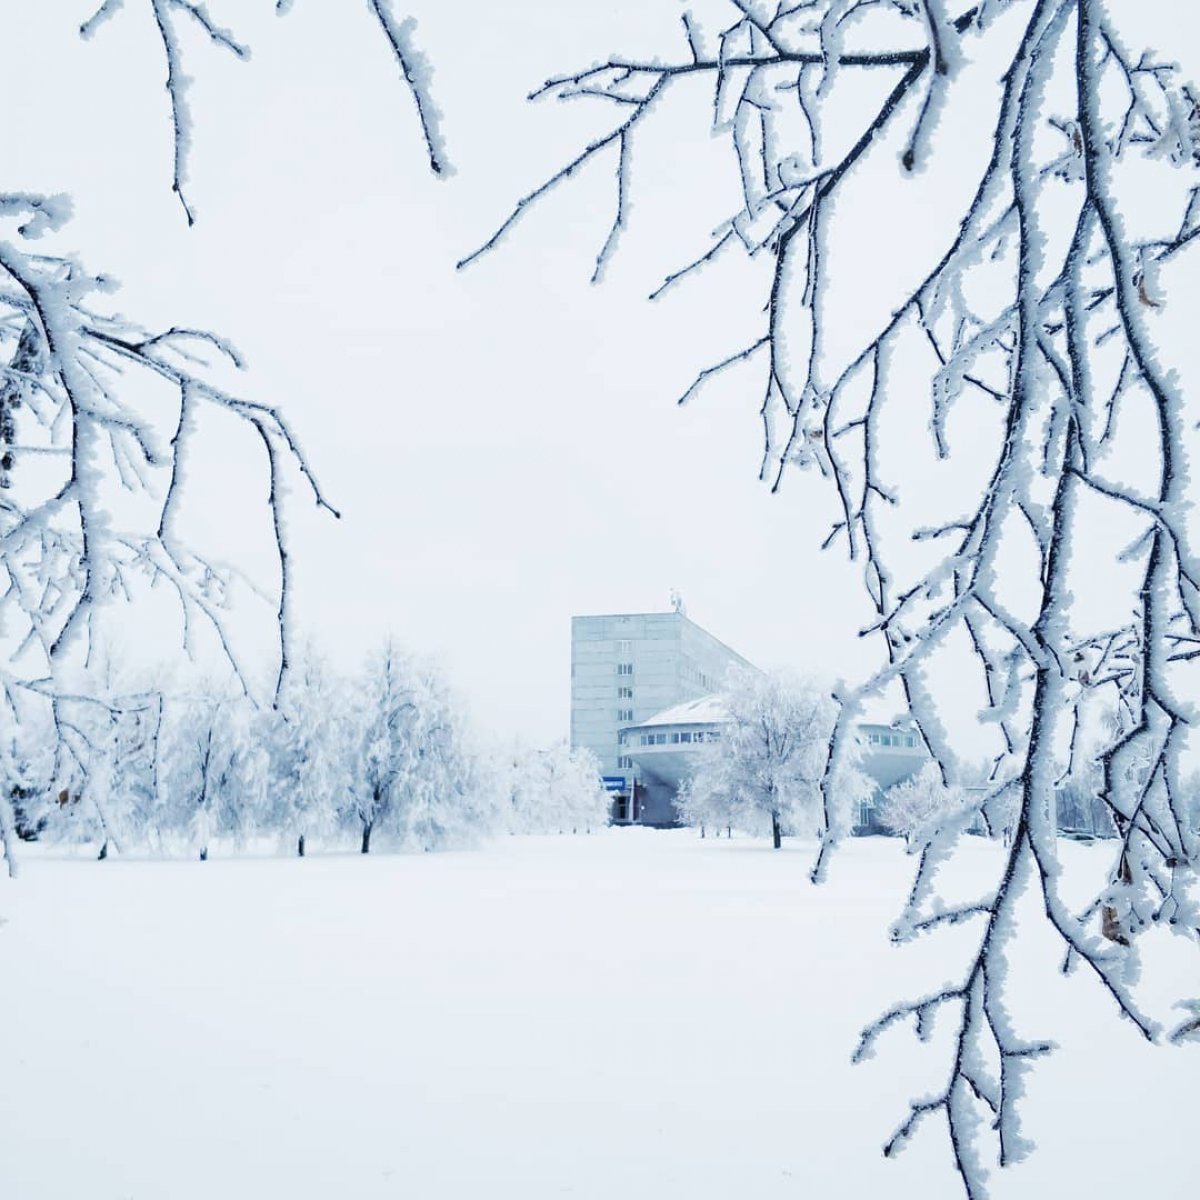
<point>630,1014</point>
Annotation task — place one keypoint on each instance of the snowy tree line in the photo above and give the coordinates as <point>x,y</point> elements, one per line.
<point>383,756</point>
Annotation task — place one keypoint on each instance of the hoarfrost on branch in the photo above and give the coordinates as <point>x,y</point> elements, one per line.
<point>1018,207</point>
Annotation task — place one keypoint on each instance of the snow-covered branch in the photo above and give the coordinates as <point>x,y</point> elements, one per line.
<point>1027,324</point>
<point>171,16</point>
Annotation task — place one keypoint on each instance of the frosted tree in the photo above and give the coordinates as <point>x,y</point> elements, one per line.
<point>474,797</point>
<point>770,762</point>
<point>387,717</point>
<point>212,767</point>
<point>407,768</point>
<point>1014,284</point>
<point>444,798</point>
<point>26,762</point>
<point>134,801</point>
<point>104,411</point>
<point>705,801</point>
<point>97,413</point>
<point>917,806</point>
<point>99,749</point>
<point>555,789</point>
<point>305,739</point>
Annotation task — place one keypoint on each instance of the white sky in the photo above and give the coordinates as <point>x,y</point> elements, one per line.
<point>504,442</point>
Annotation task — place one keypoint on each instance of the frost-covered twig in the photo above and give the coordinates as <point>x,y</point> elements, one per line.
<point>1041,302</point>
<point>167,14</point>
<point>418,74</point>
<point>62,558</point>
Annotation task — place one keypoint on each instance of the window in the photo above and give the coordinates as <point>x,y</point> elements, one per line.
<point>660,739</point>
<point>645,739</point>
<point>685,737</point>
<point>674,739</point>
<point>621,738</point>
<point>624,714</point>
<point>624,693</point>
<point>873,738</point>
<point>624,762</point>
<point>624,668</point>
<point>624,647</point>
<point>910,740</point>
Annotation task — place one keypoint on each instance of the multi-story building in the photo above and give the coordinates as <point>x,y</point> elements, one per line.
<point>625,668</point>
<point>645,695</point>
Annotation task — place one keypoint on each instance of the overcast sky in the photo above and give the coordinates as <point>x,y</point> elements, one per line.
<point>504,442</point>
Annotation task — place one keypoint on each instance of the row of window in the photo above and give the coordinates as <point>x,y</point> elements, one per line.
<point>673,739</point>
<point>693,674</point>
<point>712,735</point>
<point>892,739</point>
<point>624,714</point>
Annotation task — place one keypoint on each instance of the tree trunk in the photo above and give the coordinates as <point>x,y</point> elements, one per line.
<point>103,852</point>
<point>702,831</point>
<point>776,835</point>
<point>300,847</point>
<point>366,839</point>
<point>204,854</point>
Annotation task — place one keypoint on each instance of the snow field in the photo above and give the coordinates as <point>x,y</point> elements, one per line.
<point>628,1014</point>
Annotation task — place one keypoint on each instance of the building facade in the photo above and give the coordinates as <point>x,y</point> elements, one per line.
<point>890,755</point>
<point>625,668</point>
<point>665,748</point>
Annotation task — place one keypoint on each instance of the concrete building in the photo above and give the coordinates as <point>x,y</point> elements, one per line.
<point>890,754</point>
<point>625,668</point>
<point>663,750</point>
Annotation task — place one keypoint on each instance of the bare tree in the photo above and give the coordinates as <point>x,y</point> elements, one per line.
<point>1005,280</point>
